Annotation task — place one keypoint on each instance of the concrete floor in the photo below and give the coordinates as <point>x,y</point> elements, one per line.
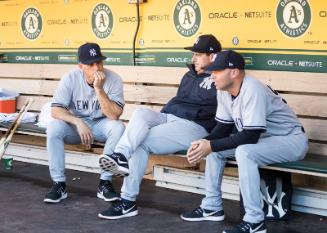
<point>21,208</point>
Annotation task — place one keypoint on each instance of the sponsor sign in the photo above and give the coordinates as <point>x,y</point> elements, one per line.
<point>272,35</point>
<point>102,21</point>
<point>31,23</point>
<point>187,17</point>
<point>293,17</point>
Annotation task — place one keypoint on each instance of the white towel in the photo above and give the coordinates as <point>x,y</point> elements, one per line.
<point>28,117</point>
<point>45,116</point>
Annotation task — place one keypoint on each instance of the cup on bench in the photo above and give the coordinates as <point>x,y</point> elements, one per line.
<point>7,162</point>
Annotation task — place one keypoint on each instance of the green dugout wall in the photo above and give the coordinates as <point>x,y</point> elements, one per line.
<point>285,35</point>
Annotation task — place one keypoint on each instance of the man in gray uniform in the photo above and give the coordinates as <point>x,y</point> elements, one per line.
<point>268,132</point>
<point>186,117</point>
<point>86,107</point>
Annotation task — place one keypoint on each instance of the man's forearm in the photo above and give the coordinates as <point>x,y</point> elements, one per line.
<point>220,131</point>
<point>233,141</point>
<point>63,114</point>
<point>109,108</point>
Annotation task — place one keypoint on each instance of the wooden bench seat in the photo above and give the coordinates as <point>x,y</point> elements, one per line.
<point>152,87</point>
<point>315,165</point>
<point>312,164</point>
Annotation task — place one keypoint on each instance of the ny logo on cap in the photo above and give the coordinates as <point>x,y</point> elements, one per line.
<point>230,64</point>
<point>211,49</point>
<point>213,57</point>
<point>93,52</point>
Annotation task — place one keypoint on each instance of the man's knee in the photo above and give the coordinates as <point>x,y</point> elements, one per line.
<point>141,113</point>
<point>118,128</point>
<point>56,128</point>
<point>243,153</point>
<point>212,157</point>
<point>114,128</point>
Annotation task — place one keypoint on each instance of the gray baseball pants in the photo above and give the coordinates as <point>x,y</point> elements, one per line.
<point>155,132</point>
<point>60,132</point>
<point>268,150</point>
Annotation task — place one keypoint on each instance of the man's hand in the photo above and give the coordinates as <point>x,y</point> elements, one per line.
<point>84,132</point>
<point>99,78</point>
<point>198,150</point>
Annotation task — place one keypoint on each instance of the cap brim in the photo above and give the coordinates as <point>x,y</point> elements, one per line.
<point>196,50</point>
<point>88,62</point>
<point>214,67</point>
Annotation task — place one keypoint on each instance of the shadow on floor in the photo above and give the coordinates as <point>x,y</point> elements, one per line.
<point>22,190</point>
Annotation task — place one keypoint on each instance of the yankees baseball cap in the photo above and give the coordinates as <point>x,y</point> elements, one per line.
<point>228,59</point>
<point>89,53</point>
<point>205,44</point>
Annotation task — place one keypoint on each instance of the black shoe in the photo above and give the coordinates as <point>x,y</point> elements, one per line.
<point>247,227</point>
<point>116,163</point>
<point>120,209</point>
<point>200,214</point>
<point>106,191</point>
<point>57,193</point>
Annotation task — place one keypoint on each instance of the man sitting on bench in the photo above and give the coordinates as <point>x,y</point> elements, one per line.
<point>185,118</point>
<point>86,106</point>
<point>268,132</point>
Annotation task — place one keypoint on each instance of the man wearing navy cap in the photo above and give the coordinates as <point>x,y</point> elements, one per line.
<point>185,118</point>
<point>86,107</point>
<point>268,132</point>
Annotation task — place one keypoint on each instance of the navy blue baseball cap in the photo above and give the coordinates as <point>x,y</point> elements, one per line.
<point>228,59</point>
<point>205,44</point>
<point>89,53</point>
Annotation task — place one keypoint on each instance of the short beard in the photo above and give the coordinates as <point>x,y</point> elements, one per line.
<point>227,87</point>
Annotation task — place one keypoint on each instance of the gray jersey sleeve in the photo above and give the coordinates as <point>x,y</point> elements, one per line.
<point>63,94</point>
<point>254,105</point>
<point>116,92</point>
<point>224,114</point>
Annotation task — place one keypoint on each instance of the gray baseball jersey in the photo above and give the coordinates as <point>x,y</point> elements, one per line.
<point>74,94</point>
<point>256,107</point>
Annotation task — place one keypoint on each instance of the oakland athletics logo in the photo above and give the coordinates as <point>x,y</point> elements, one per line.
<point>293,17</point>
<point>102,21</point>
<point>31,23</point>
<point>187,17</point>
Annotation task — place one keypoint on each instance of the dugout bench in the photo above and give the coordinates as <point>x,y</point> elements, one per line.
<point>152,87</point>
